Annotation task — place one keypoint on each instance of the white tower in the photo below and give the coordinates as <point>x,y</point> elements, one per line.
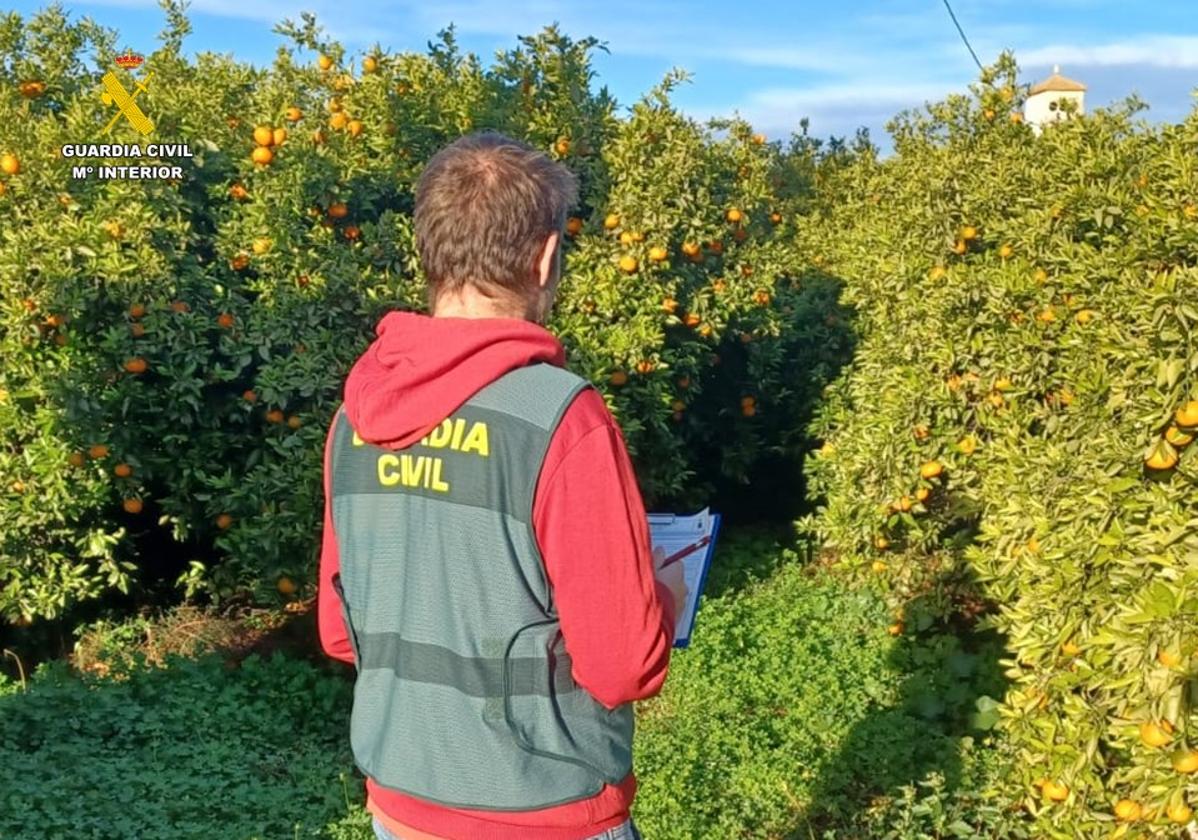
<point>1052,100</point>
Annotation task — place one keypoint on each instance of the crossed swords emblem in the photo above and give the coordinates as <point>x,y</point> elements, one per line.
<point>114,92</point>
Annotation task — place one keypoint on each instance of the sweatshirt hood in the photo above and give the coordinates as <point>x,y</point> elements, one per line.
<point>421,369</point>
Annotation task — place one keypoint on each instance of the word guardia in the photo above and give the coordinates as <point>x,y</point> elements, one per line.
<point>156,151</point>
<point>409,470</point>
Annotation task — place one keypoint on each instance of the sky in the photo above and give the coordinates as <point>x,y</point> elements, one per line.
<point>841,65</point>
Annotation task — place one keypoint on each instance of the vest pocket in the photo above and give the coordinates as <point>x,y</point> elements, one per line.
<point>550,715</point>
<point>349,625</point>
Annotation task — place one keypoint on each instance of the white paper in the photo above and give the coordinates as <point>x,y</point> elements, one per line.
<point>672,533</point>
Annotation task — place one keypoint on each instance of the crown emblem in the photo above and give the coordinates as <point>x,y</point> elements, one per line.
<point>129,60</point>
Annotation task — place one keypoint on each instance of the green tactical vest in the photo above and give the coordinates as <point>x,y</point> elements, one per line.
<point>464,694</point>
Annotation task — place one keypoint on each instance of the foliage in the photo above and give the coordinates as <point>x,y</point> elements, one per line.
<point>173,351</point>
<point>194,750</point>
<point>793,711</point>
<point>1026,337</point>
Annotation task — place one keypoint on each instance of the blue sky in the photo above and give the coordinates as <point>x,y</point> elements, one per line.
<point>842,65</point>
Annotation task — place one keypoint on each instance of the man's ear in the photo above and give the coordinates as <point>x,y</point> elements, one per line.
<point>545,264</point>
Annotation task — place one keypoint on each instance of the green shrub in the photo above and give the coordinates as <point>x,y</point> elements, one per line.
<point>195,335</point>
<point>1025,320</point>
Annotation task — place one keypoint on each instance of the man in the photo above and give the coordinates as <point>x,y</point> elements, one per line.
<point>486,563</point>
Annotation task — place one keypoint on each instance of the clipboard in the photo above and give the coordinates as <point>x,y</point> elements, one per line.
<point>678,534</point>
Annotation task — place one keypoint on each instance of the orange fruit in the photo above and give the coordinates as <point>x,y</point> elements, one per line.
<point>239,192</point>
<point>132,505</point>
<point>137,310</point>
<point>678,405</point>
<point>562,146</point>
<point>136,365</point>
<point>261,245</point>
<point>32,89</point>
<point>1005,251</point>
<point>249,395</point>
<point>262,155</point>
<point>895,629</point>
<point>1070,648</point>
<point>775,218</point>
<point>690,248</point>
<point>1153,734</point>
<point>1185,761</point>
<point>748,400</point>
<point>904,504</point>
<point>734,215</point>
<point>1128,810</point>
<point>239,262</point>
<point>611,221</point>
<point>352,232</point>
<point>658,254</point>
<point>669,305</point>
<point>626,238</point>
<point>264,135</point>
<point>324,62</point>
<point>881,543</point>
<point>692,320</point>
<point>878,566</point>
<point>758,139</point>
<point>969,232</point>
<point>761,297</point>
<point>1040,275</point>
<point>279,136</point>
<point>370,64</point>
<point>931,469</point>
<point>224,521</point>
<point>967,445</point>
<point>921,431</point>
<point>645,366</point>
<point>1056,791</point>
<point>628,263</point>
<point>274,416</point>
<point>122,470</point>
<point>573,226</point>
<point>1187,415</point>
<point>294,114</point>
<point>355,128</point>
<point>748,410</point>
<point>1085,316</point>
<point>97,451</point>
<point>9,164</point>
<point>619,378</point>
<point>1162,457</point>
<point>740,235</point>
<point>338,121</point>
<point>1178,438</point>
<point>1179,812</point>
<point>225,320</point>
<point>294,422</point>
<point>338,210</point>
<point>715,246</point>
<point>705,330</point>
<point>959,247</point>
<point>1168,658</point>
<point>922,494</point>
<point>286,586</point>
<point>76,459</point>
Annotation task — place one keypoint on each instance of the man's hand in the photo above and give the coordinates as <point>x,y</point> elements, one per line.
<point>672,577</point>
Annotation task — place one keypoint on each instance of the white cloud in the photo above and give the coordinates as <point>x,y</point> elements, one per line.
<point>1151,50</point>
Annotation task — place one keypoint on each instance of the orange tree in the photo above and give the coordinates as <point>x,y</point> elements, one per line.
<point>173,350</point>
<point>1014,427</point>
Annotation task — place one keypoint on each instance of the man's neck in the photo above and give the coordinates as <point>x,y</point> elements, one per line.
<point>473,305</point>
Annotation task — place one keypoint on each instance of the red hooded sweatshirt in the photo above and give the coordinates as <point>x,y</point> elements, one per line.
<point>590,525</point>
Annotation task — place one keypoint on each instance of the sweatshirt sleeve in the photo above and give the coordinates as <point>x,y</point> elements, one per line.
<point>334,636</point>
<point>617,620</point>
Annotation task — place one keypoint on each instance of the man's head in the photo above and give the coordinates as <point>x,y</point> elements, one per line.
<point>489,217</point>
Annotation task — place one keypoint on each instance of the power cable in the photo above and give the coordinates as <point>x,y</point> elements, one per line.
<point>962,33</point>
